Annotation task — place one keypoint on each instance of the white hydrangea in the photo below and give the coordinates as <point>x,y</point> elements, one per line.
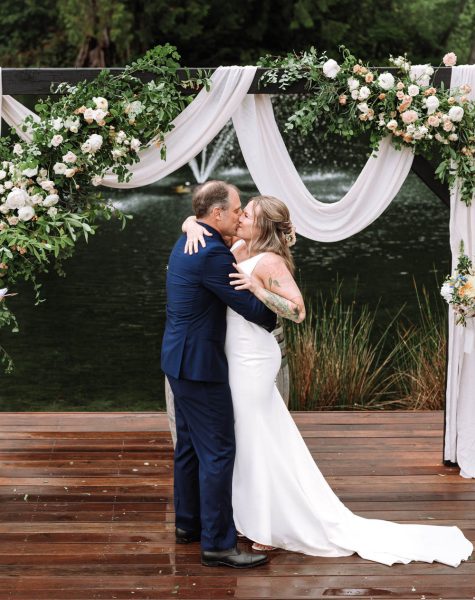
<point>331,68</point>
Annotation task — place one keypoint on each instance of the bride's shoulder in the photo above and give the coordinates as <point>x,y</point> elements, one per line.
<point>270,260</point>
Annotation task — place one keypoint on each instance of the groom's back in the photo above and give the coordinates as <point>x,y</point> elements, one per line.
<point>195,331</point>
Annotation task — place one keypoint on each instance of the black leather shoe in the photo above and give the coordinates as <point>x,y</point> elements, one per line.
<point>232,558</point>
<point>186,537</point>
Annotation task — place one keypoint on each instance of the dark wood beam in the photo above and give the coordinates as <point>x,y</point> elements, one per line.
<point>39,81</point>
<point>425,170</point>
<point>32,81</point>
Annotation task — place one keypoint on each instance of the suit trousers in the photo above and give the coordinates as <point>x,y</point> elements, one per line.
<point>204,461</point>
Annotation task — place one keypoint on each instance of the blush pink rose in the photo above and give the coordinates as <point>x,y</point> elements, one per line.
<point>433,121</point>
<point>409,116</point>
<point>450,59</point>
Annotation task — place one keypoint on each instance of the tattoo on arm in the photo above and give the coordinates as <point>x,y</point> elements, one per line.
<point>281,306</point>
<point>273,282</point>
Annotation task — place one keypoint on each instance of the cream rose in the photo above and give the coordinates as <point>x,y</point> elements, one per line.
<point>450,59</point>
<point>50,200</point>
<point>409,116</point>
<point>456,113</point>
<point>101,103</point>
<point>16,199</point>
<point>432,104</point>
<point>26,213</point>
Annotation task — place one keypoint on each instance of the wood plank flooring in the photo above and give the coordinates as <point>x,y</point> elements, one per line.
<point>86,510</point>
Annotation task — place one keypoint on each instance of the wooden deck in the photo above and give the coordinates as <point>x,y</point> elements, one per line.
<point>86,510</point>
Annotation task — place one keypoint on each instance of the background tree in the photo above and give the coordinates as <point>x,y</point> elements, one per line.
<point>214,32</point>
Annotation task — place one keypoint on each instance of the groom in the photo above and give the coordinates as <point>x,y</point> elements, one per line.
<point>193,358</point>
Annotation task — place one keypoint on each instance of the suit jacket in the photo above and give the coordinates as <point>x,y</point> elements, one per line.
<point>198,291</point>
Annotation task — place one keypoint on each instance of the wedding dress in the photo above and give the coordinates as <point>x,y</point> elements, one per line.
<point>280,498</point>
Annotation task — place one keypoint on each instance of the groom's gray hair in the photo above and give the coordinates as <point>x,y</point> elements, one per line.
<point>210,194</point>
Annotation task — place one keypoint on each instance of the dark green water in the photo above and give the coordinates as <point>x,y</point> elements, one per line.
<point>95,343</point>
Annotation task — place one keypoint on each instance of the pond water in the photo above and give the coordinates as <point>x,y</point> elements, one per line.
<point>95,343</point>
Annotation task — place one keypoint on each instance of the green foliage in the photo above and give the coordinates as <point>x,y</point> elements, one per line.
<point>354,100</point>
<point>48,195</point>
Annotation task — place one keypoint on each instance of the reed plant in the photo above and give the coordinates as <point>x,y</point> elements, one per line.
<point>420,369</point>
<point>339,360</point>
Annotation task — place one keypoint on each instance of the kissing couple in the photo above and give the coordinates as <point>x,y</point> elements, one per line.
<point>240,461</point>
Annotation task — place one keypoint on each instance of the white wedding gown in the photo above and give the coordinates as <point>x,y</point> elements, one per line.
<point>280,498</point>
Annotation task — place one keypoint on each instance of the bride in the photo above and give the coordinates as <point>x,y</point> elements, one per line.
<point>280,498</point>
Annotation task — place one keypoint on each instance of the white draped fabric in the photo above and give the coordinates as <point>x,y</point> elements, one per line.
<point>460,397</point>
<point>266,157</point>
<point>274,174</point>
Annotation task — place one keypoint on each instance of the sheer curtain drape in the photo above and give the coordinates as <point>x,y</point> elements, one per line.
<point>460,397</point>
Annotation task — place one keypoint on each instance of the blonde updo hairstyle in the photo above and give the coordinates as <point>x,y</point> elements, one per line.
<point>276,232</point>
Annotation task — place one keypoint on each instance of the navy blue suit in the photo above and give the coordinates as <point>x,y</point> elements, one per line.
<point>193,358</point>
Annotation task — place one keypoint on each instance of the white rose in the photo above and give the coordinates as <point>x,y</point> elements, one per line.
<point>73,124</point>
<point>4,209</point>
<point>70,172</point>
<point>12,220</point>
<point>96,180</point>
<point>386,81</point>
<point>101,103</point>
<point>25,213</point>
<point>53,211</point>
<point>16,198</point>
<point>2,189</point>
<point>89,114</point>
<point>355,94</point>
<point>70,157</point>
<point>353,84</point>
<point>453,137</point>
<point>365,93</point>
<point>118,152</point>
<point>456,113</point>
<point>446,291</point>
<point>392,124</point>
<point>47,185</point>
<point>432,104</point>
<point>57,124</point>
<point>59,168</point>
<point>135,144</point>
<point>363,107</point>
<point>120,137</point>
<point>17,149</point>
<point>413,90</point>
<point>8,185</point>
<point>56,140</point>
<point>50,200</point>
<point>92,144</point>
<point>30,172</point>
<point>86,147</point>
<point>100,114</point>
<point>331,68</point>
<point>420,132</point>
<point>36,199</point>
<point>3,174</point>
<point>422,78</point>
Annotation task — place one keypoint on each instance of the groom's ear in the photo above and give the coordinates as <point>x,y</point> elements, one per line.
<point>216,213</point>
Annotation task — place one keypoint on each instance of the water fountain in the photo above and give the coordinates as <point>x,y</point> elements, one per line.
<point>202,171</point>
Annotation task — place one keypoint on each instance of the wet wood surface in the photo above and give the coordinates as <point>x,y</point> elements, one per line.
<point>86,510</point>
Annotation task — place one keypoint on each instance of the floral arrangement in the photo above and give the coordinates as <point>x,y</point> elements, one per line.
<point>48,186</point>
<point>353,98</point>
<point>458,289</point>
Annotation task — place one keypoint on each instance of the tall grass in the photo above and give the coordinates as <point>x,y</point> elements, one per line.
<point>339,360</point>
<point>420,368</point>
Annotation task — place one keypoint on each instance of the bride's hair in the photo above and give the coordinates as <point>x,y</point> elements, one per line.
<point>276,232</point>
